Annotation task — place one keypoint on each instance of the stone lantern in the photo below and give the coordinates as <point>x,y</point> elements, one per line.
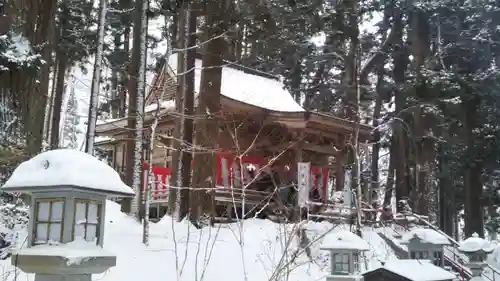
<point>477,250</point>
<point>67,190</point>
<point>346,259</point>
<point>426,244</point>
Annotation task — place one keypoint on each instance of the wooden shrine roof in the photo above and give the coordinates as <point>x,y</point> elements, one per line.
<point>243,91</point>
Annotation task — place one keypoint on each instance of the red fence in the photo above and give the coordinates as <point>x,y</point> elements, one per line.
<point>229,173</point>
<point>161,181</point>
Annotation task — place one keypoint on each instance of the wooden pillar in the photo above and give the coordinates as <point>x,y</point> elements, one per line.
<point>298,153</point>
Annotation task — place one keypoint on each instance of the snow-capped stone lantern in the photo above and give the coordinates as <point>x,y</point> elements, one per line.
<point>67,190</point>
<point>426,244</point>
<point>346,255</point>
<point>477,250</point>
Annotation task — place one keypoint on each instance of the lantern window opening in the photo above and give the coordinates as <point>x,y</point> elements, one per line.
<point>49,222</point>
<point>340,262</point>
<point>437,258</point>
<point>87,221</point>
<point>419,255</point>
<point>355,258</point>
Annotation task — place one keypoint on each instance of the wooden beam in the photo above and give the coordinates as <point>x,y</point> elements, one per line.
<point>323,149</point>
<point>322,134</point>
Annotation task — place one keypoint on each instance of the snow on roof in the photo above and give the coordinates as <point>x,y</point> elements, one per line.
<point>475,244</point>
<point>66,167</point>
<point>478,278</point>
<point>251,89</point>
<point>165,106</point>
<point>426,236</point>
<point>103,139</point>
<point>74,253</point>
<point>168,104</point>
<point>344,240</point>
<point>416,270</point>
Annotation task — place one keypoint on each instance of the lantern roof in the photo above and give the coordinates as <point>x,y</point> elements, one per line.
<point>344,240</point>
<point>475,244</point>
<point>426,235</point>
<point>62,168</point>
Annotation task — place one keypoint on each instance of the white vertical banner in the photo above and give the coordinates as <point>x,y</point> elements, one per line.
<point>166,187</point>
<point>156,193</point>
<point>304,182</point>
<point>225,172</point>
<point>145,180</point>
<point>321,187</point>
<point>237,180</point>
<point>347,189</point>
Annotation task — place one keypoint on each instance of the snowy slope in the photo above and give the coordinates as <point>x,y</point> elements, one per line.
<point>220,253</point>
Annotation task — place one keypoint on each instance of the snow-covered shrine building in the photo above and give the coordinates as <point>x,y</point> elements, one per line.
<point>268,122</point>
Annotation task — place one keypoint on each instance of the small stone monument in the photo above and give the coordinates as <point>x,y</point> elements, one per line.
<point>68,190</point>
<point>477,250</point>
<point>346,259</point>
<point>426,244</point>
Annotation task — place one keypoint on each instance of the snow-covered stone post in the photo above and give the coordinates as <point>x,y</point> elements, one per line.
<point>477,250</point>
<point>68,191</point>
<point>346,256</point>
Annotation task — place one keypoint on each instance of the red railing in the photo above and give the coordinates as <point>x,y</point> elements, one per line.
<point>161,182</point>
<point>229,173</point>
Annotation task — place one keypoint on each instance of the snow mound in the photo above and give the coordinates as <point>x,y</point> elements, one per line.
<point>418,270</point>
<point>251,89</point>
<point>426,236</point>
<point>253,250</point>
<point>66,167</point>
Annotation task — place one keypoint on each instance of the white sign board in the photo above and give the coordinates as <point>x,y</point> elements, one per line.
<point>304,182</point>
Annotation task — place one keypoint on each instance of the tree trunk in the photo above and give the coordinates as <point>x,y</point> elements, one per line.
<point>207,129</point>
<point>124,79</point>
<point>187,130</point>
<point>58,99</point>
<point>114,106</point>
<point>389,186</point>
<point>375,184</point>
<point>176,179</point>
<point>96,81</point>
<point>446,210</point>
<point>474,213</point>
<point>50,106</point>
<point>296,81</point>
<point>401,137</point>
<point>139,122</point>
<point>139,116</point>
<point>353,106</point>
<point>39,31</point>
<point>134,147</point>
<point>174,31</point>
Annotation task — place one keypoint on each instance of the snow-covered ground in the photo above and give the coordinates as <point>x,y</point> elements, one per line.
<point>178,251</point>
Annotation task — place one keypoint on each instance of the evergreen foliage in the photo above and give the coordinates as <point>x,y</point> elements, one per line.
<point>71,129</point>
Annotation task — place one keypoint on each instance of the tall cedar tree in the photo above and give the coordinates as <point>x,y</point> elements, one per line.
<point>207,129</point>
